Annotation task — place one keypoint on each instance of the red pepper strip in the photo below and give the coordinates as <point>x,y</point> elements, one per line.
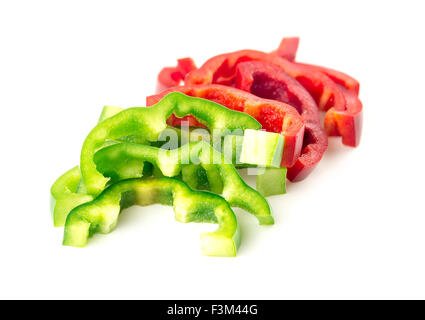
<point>343,119</point>
<point>288,48</point>
<point>221,69</point>
<point>172,76</point>
<point>340,78</point>
<point>345,122</point>
<point>268,81</point>
<point>273,115</point>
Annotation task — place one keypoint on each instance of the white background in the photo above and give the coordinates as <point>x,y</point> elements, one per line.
<point>353,229</point>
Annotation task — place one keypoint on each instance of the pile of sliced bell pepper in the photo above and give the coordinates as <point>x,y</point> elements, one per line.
<point>258,110</point>
<point>305,87</point>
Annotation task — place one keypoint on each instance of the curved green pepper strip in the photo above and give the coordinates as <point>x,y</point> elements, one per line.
<point>65,192</point>
<point>110,111</point>
<point>68,191</point>
<point>149,122</point>
<point>101,214</point>
<point>218,169</point>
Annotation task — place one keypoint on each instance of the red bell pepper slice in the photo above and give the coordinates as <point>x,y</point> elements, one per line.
<point>221,69</point>
<point>273,115</point>
<point>172,76</point>
<point>268,81</point>
<point>288,49</point>
<point>347,121</point>
<point>344,119</point>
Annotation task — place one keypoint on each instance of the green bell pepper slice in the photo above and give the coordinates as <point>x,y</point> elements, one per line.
<point>101,214</point>
<point>66,193</point>
<point>149,123</point>
<point>222,176</point>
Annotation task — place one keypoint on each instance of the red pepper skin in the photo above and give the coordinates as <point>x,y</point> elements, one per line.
<point>268,81</point>
<point>288,48</point>
<point>273,115</point>
<point>172,76</point>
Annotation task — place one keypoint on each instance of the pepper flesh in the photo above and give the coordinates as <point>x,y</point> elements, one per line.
<point>274,116</point>
<point>171,162</point>
<point>268,81</point>
<point>149,123</point>
<point>101,214</point>
<point>262,148</point>
<point>172,76</point>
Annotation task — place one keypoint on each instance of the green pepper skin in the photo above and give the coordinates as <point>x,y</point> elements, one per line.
<point>67,195</point>
<point>149,123</point>
<point>101,214</point>
<point>222,176</point>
